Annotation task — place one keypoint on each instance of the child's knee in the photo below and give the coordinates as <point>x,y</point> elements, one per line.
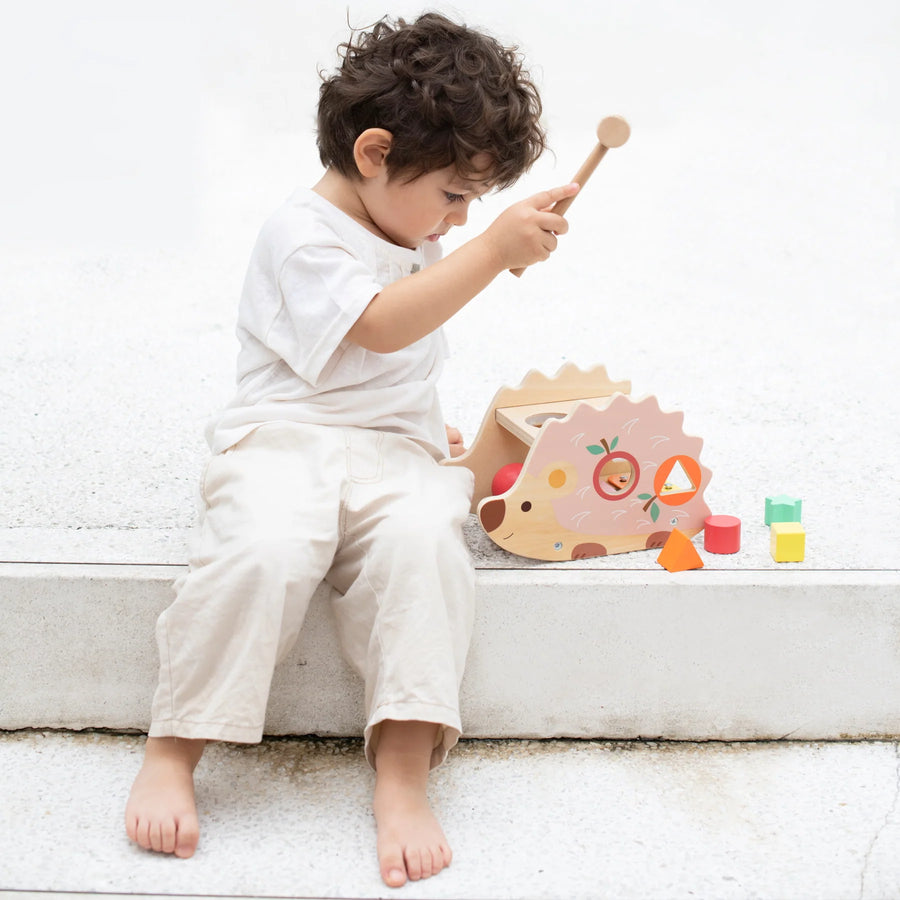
<point>424,542</point>
<point>258,567</point>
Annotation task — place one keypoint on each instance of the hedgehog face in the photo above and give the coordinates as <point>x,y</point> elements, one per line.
<point>524,515</point>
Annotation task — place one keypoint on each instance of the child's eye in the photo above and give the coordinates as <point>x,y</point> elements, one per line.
<point>455,198</point>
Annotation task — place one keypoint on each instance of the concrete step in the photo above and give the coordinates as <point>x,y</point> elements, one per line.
<point>540,820</point>
<point>557,652</point>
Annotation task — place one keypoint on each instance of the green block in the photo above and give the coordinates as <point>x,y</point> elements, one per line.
<point>783,509</point>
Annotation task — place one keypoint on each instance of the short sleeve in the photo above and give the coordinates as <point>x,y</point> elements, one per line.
<point>324,290</point>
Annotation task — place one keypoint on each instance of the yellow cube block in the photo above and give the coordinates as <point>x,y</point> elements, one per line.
<point>787,542</point>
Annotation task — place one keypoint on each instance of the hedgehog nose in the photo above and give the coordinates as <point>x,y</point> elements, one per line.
<point>492,514</point>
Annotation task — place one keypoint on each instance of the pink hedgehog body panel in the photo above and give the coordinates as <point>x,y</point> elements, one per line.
<point>602,481</point>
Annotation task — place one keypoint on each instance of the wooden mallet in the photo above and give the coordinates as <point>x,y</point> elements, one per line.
<point>612,131</point>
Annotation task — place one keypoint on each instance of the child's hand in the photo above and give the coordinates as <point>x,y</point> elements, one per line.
<point>455,439</point>
<point>526,232</point>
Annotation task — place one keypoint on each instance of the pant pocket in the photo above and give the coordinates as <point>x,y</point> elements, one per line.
<point>365,461</point>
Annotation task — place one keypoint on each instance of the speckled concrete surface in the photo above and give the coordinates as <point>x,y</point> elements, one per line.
<point>525,819</point>
<point>737,258</point>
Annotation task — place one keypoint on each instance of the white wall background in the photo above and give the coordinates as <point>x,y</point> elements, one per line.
<point>122,116</point>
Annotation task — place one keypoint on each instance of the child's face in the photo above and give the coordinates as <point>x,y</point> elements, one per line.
<point>410,213</point>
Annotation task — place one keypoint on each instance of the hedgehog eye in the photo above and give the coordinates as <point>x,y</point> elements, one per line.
<point>526,506</point>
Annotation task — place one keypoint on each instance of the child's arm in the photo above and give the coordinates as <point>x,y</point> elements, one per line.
<point>411,308</point>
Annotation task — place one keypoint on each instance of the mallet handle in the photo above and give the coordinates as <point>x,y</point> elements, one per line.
<point>581,176</point>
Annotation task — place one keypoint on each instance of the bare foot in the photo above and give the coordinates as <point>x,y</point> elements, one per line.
<point>160,813</point>
<point>411,844</point>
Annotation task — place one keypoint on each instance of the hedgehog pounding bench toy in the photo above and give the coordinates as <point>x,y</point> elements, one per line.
<point>601,473</point>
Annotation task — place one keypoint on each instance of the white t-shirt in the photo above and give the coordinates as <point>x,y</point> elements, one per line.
<point>313,271</point>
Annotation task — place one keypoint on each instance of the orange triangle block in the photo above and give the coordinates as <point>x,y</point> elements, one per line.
<point>679,554</point>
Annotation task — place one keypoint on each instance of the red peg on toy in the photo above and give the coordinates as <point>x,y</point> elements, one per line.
<point>722,534</point>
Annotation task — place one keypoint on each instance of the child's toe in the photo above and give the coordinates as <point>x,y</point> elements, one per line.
<point>188,837</point>
<point>167,836</point>
<point>393,868</point>
<point>418,864</point>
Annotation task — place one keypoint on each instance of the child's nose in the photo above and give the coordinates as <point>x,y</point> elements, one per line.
<point>459,215</point>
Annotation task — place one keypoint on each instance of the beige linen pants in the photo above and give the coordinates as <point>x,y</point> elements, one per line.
<point>290,505</point>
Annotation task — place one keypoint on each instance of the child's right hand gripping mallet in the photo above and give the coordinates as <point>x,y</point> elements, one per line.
<point>612,131</point>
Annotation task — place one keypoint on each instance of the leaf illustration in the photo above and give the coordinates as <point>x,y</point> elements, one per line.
<point>654,512</point>
<point>615,441</point>
<point>595,449</point>
<point>644,496</point>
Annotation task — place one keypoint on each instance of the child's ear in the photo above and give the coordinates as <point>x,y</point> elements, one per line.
<point>370,151</point>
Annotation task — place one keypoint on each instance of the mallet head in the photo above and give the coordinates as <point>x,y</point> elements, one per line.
<point>613,131</point>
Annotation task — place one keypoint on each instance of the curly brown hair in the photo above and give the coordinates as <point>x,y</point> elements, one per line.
<point>445,92</point>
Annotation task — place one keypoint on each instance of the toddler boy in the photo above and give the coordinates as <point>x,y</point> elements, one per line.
<point>326,463</point>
